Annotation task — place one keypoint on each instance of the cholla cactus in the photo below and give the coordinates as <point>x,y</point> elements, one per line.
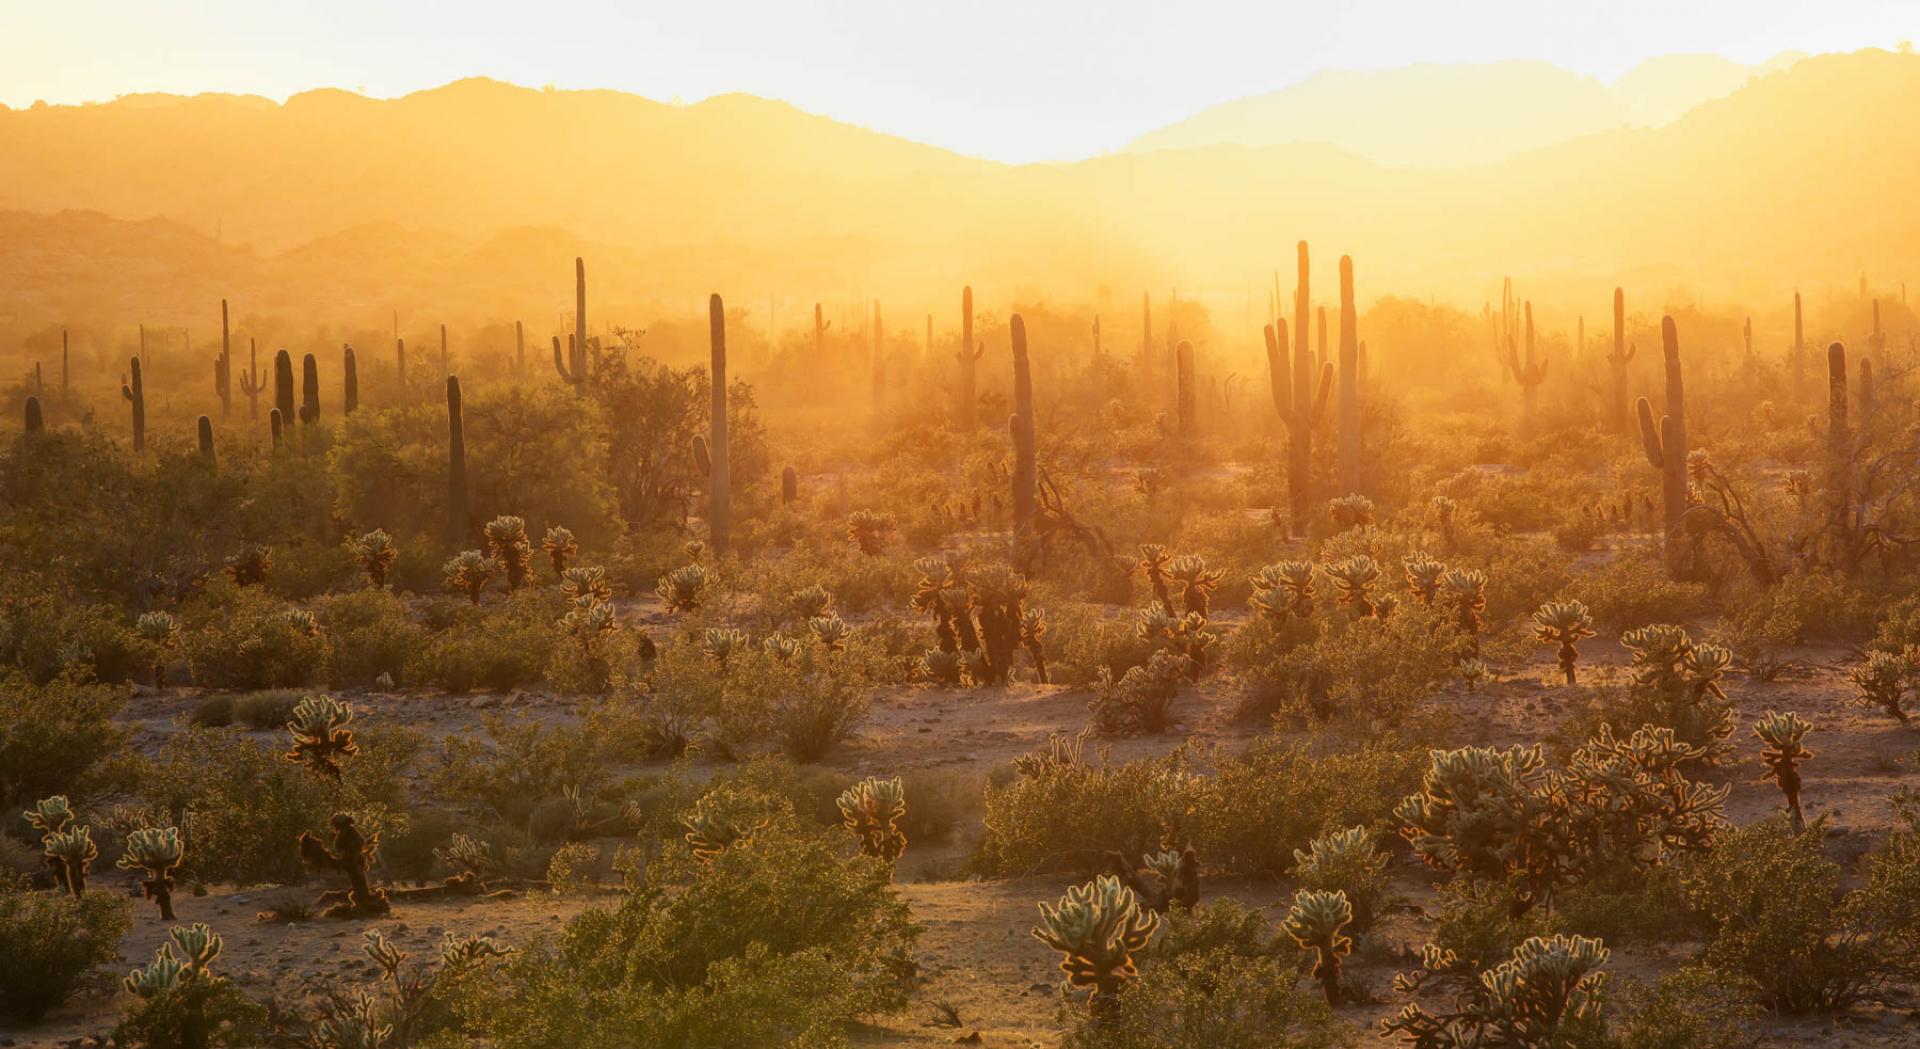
<point>1785,736</point>
<point>1296,582</point>
<point>162,633</point>
<point>586,584</point>
<point>1197,582</point>
<point>1061,753</point>
<point>460,953</point>
<point>1349,861</point>
<point>869,530</point>
<point>560,547</point>
<point>301,622</point>
<point>469,858</point>
<point>321,736</point>
<point>723,642</point>
<point>1354,577</point>
<point>830,631</point>
<point>681,588</point>
<point>943,667</point>
<point>1882,682</point>
<point>589,621</point>
<point>1703,667</point>
<point>250,566</point>
<point>1315,921</point>
<point>1033,629</point>
<point>695,549</point>
<point>1659,651</point>
<point>50,815</point>
<point>1350,511</point>
<point>1467,589</point>
<point>1098,928</point>
<point>468,572</point>
<point>1563,623</point>
<point>71,853</point>
<point>1523,1001</point>
<point>871,810</point>
<point>375,553</point>
<point>157,851</point>
<point>1445,511</point>
<point>1472,672</point>
<point>714,825</point>
<point>1153,561</point>
<point>940,593</point>
<point>1187,635</point>
<point>781,647</point>
<point>1423,576</point>
<point>351,854</point>
<point>815,600</point>
<point>508,546</point>
<point>198,948</point>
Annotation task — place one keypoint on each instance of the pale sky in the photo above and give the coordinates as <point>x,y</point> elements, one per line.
<point>1013,81</point>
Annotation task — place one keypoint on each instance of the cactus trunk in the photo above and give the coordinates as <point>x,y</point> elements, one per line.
<point>66,374</point>
<point>1300,422</point>
<point>135,392</point>
<point>1617,362</point>
<point>966,396</point>
<point>459,521</point>
<point>1186,407</point>
<point>206,444</point>
<point>789,485</point>
<point>1349,383</point>
<point>223,368</point>
<point>350,373</point>
<point>1839,447</point>
<point>1021,427</point>
<point>283,386</point>
<point>275,425</point>
<point>1667,448</point>
<point>579,324</point>
<point>36,423</point>
<point>1799,345</point>
<point>719,481</point>
<point>309,390</point>
<point>877,365</point>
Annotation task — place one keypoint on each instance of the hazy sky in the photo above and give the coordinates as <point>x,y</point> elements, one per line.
<point>1014,81</point>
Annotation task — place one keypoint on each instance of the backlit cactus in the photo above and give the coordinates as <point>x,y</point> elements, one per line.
<point>560,547</point>
<point>1186,403</point>
<point>1528,372</point>
<point>1525,1001</point>
<point>1621,354</point>
<point>1294,395</point>
<point>830,631</point>
<point>1354,578</point>
<point>1882,682</point>
<point>1098,928</point>
<point>186,956</point>
<point>681,589</point>
<point>203,429</point>
<point>782,648</point>
<point>1197,582</point>
<point>508,546</point>
<point>156,851</point>
<point>586,584</point>
<point>1666,447</point>
<point>136,396</point>
<point>1423,576</point>
<point>720,479</point>
<point>1033,631</point>
<point>1563,623</point>
<point>321,734</point>
<point>468,572</point>
<point>588,621</point>
<point>1024,477</point>
<point>161,632</point>
<point>36,421</point>
<point>722,642</point>
<point>966,396</point>
<point>718,822</point>
<point>809,601</point>
<point>1466,590</point>
<point>71,853</point>
<point>1347,860</point>
<point>1352,365</point>
<point>869,529</point>
<point>871,811</point>
<point>1350,511</point>
<point>459,518</point>
<point>1316,922</point>
<point>1785,736</point>
<point>375,552</point>
<point>349,381</point>
<point>309,390</point>
<point>351,853</point>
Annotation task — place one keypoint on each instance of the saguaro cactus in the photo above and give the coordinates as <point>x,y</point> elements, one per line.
<point>1799,345</point>
<point>250,381</point>
<point>1021,427</point>
<point>223,365</point>
<point>1667,445</point>
<point>283,385</point>
<point>1528,372</point>
<point>309,390</point>
<point>1294,398</point>
<point>350,378</point>
<point>877,362</point>
<point>446,362</point>
<point>1349,383</point>
<point>1839,446</point>
<point>276,425</point>
<point>66,373</point>
<point>36,423</point>
<point>719,481</point>
<point>967,397</point>
<point>459,522</point>
<point>573,367</point>
<point>1618,360</point>
<point>400,364</point>
<point>1186,407</point>
<point>207,456</point>
<point>136,394</point>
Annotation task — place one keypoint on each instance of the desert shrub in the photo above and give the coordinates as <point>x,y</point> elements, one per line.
<point>408,854</point>
<point>1675,685</point>
<point>941,803</point>
<point>1688,1008</point>
<point>1898,627</point>
<point>1627,905</point>
<point>1634,590</point>
<point>1757,629</point>
<point>1059,816</point>
<point>1084,639</point>
<point>1367,669</point>
<point>1780,924</point>
<point>1277,796</point>
<point>1577,534</point>
<point>266,711</point>
<point>1214,999</point>
<point>50,942</point>
<point>773,938</point>
<point>1220,926</point>
<point>56,738</point>
<point>180,1002</point>
<point>1140,701</point>
<point>246,639</point>
<point>805,705</point>
<point>518,765</point>
<point>369,633</point>
<point>500,648</point>
<point>44,634</point>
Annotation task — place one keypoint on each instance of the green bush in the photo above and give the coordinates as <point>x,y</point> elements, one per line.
<point>369,633</point>
<point>1261,805</point>
<point>44,634</point>
<point>50,942</point>
<point>1215,999</point>
<point>1366,670</point>
<point>502,647</point>
<point>246,639</point>
<point>57,738</point>
<point>1067,817</point>
<point>1634,590</point>
<point>519,765</point>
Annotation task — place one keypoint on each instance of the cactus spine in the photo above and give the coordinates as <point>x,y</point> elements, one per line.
<point>458,520</point>
<point>1021,427</point>
<point>719,492</point>
<point>1185,405</point>
<point>136,394</point>
<point>1349,383</point>
<point>206,443</point>
<point>1623,354</point>
<point>968,355</point>
<point>309,390</point>
<point>36,423</point>
<point>1667,444</point>
<point>223,365</point>
<point>283,386</point>
<point>350,376</point>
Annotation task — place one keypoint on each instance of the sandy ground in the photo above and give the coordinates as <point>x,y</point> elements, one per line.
<point>976,952</point>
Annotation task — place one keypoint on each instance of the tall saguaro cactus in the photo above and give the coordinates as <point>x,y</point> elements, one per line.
<point>1185,402</point>
<point>519,349</point>
<point>967,396</point>
<point>36,421</point>
<point>877,365</point>
<point>1617,362</point>
<point>309,390</point>
<point>1146,341</point>
<point>251,381</point>
<point>1799,345</point>
<point>136,394</point>
<point>1839,447</point>
<point>1349,383</point>
<point>223,365</point>
<point>1527,371</point>
<point>283,386</point>
<point>1294,396</point>
<point>1020,426</point>
<point>350,378</point>
<point>66,373</point>
<point>459,521</point>
<point>720,477</point>
<point>207,456</point>
<point>1667,446</point>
